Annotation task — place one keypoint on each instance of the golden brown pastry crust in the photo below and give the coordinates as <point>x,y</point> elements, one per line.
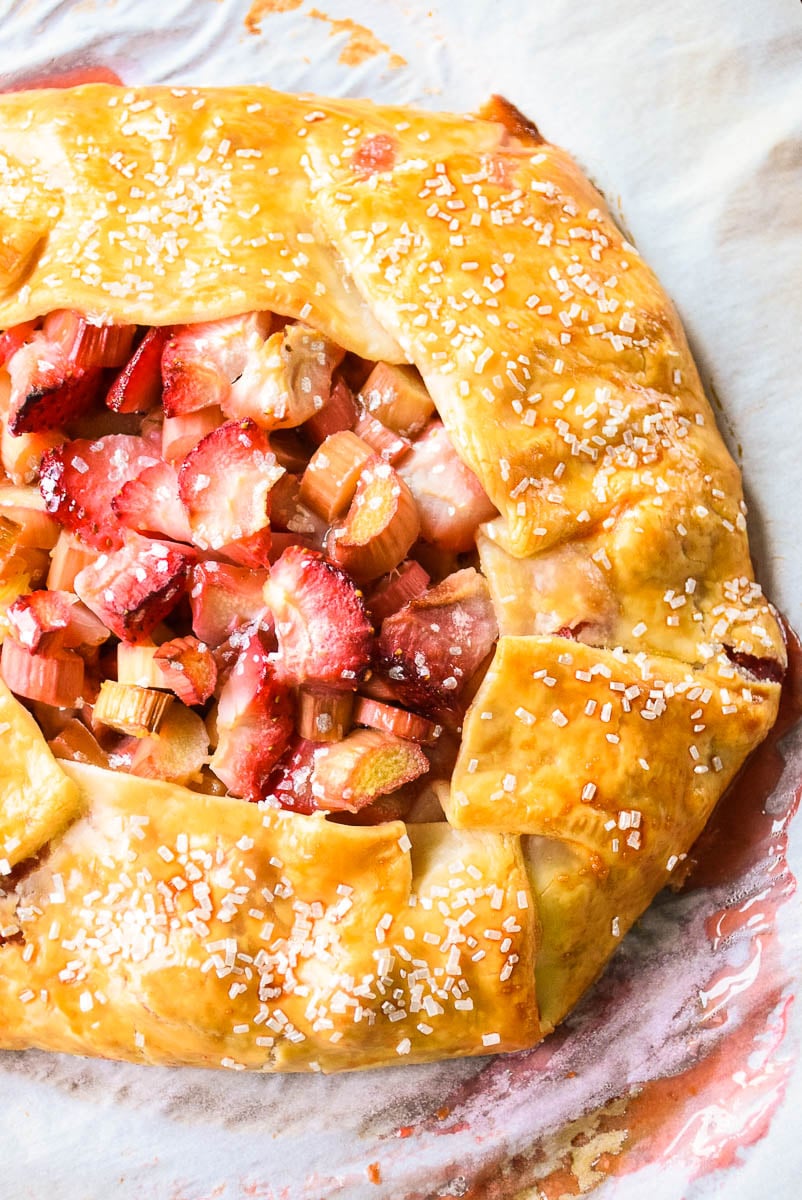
<point>163,926</point>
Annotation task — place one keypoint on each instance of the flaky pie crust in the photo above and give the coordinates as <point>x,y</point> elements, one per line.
<point>147,922</point>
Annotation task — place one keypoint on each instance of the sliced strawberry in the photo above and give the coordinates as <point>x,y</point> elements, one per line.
<point>46,390</point>
<point>200,362</point>
<point>224,483</point>
<point>46,620</point>
<point>138,387</point>
<point>432,647</point>
<point>290,783</point>
<point>11,339</point>
<point>134,588</point>
<point>287,380</point>
<point>451,500</point>
<point>323,631</point>
<point>188,668</point>
<point>254,723</point>
<point>151,504</point>
<point>222,598</point>
<point>79,479</point>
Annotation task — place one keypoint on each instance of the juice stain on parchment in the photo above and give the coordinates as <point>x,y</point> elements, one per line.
<point>362,43</point>
<point>262,8</point>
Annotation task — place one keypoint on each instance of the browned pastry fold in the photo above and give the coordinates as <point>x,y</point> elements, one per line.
<point>146,922</point>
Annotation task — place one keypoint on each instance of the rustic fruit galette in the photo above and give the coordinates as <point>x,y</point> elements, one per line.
<point>378,623</point>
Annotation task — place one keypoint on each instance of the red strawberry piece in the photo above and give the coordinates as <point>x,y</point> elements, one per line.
<point>51,620</point>
<point>14,337</point>
<point>138,387</point>
<point>290,784</point>
<point>79,480</point>
<point>222,598</point>
<point>255,721</point>
<point>151,504</point>
<point>431,648</point>
<point>224,483</point>
<point>338,412</point>
<point>200,362</point>
<point>46,391</point>
<point>323,631</point>
<point>451,500</point>
<point>134,588</point>
<point>189,669</point>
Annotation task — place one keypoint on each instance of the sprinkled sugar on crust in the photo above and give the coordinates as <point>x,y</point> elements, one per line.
<point>638,659</point>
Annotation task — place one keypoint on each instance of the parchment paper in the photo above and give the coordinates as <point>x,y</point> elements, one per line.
<point>688,115</point>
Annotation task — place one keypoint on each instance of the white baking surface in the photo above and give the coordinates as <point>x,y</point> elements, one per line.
<point>688,115</point>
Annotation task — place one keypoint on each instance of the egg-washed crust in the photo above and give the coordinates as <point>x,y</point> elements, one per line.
<point>147,922</point>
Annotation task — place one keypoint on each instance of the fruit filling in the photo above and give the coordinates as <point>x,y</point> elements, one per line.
<point>236,557</point>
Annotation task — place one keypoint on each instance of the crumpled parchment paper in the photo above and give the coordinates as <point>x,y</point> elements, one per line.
<point>689,117</point>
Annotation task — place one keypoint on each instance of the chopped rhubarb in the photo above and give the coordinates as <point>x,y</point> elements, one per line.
<point>223,597</point>
<point>339,412</point>
<point>254,723</point>
<point>200,362</point>
<point>134,588</point>
<point>431,648</point>
<point>329,482</point>
<point>178,752</point>
<point>379,528</point>
<point>56,679</point>
<point>26,508</point>
<point>323,631</point>
<point>138,387</point>
<point>79,480</point>
<point>151,504</point>
<point>349,774</point>
<point>389,719</point>
<point>289,513</point>
<point>287,380</point>
<point>396,589</point>
<point>9,536</point>
<point>15,336</point>
<point>77,744</point>
<point>397,397</point>
<point>131,709</point>
<point>323,716</point>
<point>88,347</point>
<point>188,669</point>
<point>136,663</point>
<point>67,558</point>
<point>43,621</point>
<point>224,483</point>
<point>390,446</point>
<point>180,434</point>
<point>451,500</point>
